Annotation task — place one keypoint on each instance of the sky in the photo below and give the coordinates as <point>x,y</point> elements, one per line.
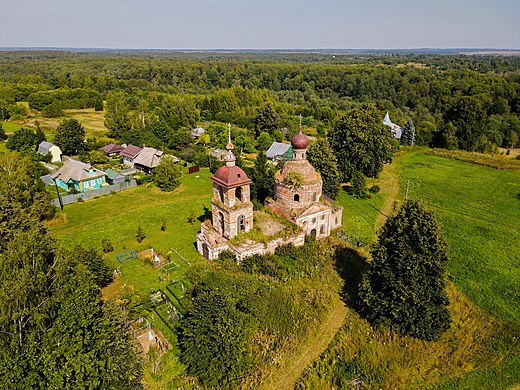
<point>260,24</point>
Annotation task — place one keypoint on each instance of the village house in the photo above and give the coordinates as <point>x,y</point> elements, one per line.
<point>147,159</point>
<point>78,175</point>
<point>114,177</point>
<point>112,150</point>
<point>197,132</point>
<point>279,151</point>
<point>129,154</point>
<point>299,202</point>
<point>46,148</point>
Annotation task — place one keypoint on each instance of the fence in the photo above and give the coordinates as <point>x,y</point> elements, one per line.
<point>68,199</point>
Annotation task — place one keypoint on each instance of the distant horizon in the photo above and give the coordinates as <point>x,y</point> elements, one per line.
<point>267,49</point>
<point>264,25</point>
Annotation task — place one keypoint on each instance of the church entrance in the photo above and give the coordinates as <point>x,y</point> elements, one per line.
<point>313,233</point>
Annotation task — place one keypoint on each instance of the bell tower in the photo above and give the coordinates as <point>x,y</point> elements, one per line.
<point>231,207</point>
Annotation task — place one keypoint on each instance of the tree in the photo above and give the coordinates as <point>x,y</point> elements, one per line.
<point>70,137</point>
<point>361,142</point>
<point>322,158</point>
<point>264,140</point>
<point>404,287</point>
<point>39,134</point>
<point>23,141</point>
<point>53,110</point>
<point>3,136</point>
<point>167,174</point>
<point>266,119</point>
<point>408,135</point>
<point>116,116</point>
<point>262,177</point>
<point>467,115</point>
<point>215,341</point>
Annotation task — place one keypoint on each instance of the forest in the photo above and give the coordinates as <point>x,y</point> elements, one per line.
<point>454,101</point>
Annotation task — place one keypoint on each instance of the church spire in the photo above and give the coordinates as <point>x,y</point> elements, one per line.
<point>229,158</point>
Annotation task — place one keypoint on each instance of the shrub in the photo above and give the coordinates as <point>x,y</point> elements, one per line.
<point>106,244</point>
<point>140,235</point>
<point>374,189</point>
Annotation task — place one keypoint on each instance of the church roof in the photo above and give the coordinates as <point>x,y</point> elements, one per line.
<point>231,176</point>
<point>303,167</point>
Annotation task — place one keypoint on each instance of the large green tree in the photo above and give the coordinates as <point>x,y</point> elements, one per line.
<point>408,135</point>
<point>405,286</point>
<point>70,136</point>
<point>23,140</point>
<point>167,174</point>
<point>266,119</point>
<point>322,157</point>
<point>262,176</point>
<point>361,142</point>
<point>215,341</point>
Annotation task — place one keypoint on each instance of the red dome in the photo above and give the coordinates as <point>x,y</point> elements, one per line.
<point>300,141</point>
<point>231,177</point>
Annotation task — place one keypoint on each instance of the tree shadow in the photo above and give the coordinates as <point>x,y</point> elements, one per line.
<point>351,266</point>
<point>517,196</point>
<point>205,216</point>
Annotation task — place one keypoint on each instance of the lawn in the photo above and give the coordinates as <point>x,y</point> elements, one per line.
<point>479,211</point>
<point>117,217</point>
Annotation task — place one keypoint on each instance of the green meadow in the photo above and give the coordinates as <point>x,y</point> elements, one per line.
<point>117,216</point>
<point>478,208</point>
<point>479,211</point>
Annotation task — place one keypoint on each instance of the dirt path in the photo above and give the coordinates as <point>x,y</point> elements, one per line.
<point>389,183</point>
<point>286,376</point>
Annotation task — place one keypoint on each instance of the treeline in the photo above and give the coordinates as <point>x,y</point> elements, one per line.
<point>433,91</point>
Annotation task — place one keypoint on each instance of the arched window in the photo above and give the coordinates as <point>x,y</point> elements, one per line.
<point>314,197</point>
<point>221,194</point>
<point>238,194</point>
<point>241,224</point>
<point>221,222</point>
<point>296,198</point>
<point>322,229</point>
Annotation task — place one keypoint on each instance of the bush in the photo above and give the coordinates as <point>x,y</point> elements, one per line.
<point>106,244</point>
<point>374,189</point>
<point>140,235</point>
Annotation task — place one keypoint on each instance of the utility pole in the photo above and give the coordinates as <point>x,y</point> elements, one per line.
<point>59,196</point>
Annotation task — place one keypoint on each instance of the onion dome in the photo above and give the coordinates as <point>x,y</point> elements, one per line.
<point>300,141</point>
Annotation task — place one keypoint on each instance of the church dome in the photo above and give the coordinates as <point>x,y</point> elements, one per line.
<point>231,176</point>
<point>304,168</point>
<point>300,141</point>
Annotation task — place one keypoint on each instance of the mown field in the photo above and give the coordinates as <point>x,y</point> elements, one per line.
<point>117,216</point>
<point>93,122</point>
<point>479,210</point>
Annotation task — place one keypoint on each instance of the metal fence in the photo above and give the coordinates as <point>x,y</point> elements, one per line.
<point>68,199</point>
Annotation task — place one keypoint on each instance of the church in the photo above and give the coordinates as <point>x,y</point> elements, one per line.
<point>298,202</point>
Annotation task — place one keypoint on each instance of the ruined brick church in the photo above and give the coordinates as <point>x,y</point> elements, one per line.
<point>299,201</point>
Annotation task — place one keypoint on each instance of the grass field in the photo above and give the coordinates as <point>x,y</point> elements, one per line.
<point>479,210</point>
<point>92,120</point>
<point>117,217</point>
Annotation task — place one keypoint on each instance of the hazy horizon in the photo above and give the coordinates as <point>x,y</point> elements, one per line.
<point>265,25</point>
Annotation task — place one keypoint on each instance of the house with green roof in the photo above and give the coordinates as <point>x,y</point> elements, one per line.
<point>78,175</point>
